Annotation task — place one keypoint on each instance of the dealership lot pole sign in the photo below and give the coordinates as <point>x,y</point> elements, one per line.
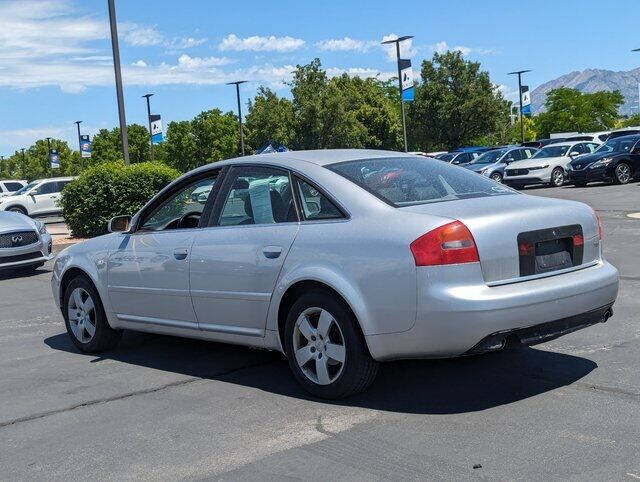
<point>526,100</point>
<point>156,128</point>
<point>85,146</point>
<point>54,158</point>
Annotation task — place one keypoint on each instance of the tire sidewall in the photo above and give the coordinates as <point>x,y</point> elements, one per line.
<point>102,325</point>
<point>353,339</point>
<point>615,173</point>
<point>553,182</point>
<point>497,177</point>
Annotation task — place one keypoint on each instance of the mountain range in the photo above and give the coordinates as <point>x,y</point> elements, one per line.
<point>592,80</point>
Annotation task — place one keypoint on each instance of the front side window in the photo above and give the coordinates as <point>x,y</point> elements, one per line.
<point>409,181</point>
<point>258,195</point>
<point>182,209</point>
<point>47,188</point>
<point>315,205</point>
<point>490,157</point>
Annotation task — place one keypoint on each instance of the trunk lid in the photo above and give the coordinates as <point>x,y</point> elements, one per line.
<point>496,222</point>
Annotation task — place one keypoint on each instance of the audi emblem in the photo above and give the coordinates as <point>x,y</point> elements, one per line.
<point>16,239</point>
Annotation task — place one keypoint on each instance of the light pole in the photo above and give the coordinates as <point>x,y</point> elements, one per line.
<point>47,164</point>
<point>77,123</point>
<point>519,74</point>
<point>237,84</point>
<point>116,67</point>
<point>148,96</point>
<point>404,122</point>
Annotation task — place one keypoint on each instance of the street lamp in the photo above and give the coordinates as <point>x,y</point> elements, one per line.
<point>638,50</point>
<point>116,67</point>
<point>519,74</point>
<point>148,96</point>
<point>237,84</point>
<point>397,42</point>
<point>77,123</point>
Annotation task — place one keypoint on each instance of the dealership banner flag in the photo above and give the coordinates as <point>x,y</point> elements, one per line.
<point>406,76</point>
<point>526,100</point>
<point>54,158</point>
<point>85,146</point>
<point>156,128</point>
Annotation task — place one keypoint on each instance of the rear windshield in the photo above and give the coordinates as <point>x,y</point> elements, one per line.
<point>407,181</point>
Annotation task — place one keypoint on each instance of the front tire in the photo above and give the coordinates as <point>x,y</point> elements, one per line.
<point>497,177</point>
<point>18,209</point>
<point>557,177</point>
<point>85,318</point>
<point>622,173</point>
<point>326,350</point>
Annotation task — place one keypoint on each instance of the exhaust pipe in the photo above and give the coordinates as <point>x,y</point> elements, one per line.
<point>607,314</point>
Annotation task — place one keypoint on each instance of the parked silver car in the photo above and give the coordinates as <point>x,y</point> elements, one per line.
<point>24,242</point>
<point>358,257</point>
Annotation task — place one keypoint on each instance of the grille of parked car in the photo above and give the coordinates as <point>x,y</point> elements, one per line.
<point>20,257</point>
<point>517,172</point>
<point>18,239</point>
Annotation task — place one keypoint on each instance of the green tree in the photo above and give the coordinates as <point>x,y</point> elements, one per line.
<point>569,110</point>
<point>455,103</point>
<point>270,118</point>
<point>216,136</point>
<point>631,121</point>
<point>181,146</point>
<point>107,145</point>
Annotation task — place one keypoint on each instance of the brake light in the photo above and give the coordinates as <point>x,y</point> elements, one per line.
<point>599,224</point>
<point>525,248</point>
<point>448,244</point>
<point>578,240</point>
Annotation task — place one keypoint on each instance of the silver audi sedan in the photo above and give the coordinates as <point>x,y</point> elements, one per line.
<point>340,259</point>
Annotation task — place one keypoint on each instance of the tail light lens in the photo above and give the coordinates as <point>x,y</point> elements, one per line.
<point>448,244</point>
<point>599,224</point>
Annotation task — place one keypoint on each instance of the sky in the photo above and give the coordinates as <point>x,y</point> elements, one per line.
<point>56,65</point>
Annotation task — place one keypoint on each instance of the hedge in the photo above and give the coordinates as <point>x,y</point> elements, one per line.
<point>108,190</point>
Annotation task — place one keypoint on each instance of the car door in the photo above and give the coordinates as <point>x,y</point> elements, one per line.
<point>148,269</point>
<point>43,198</point>
<point>236,261</point>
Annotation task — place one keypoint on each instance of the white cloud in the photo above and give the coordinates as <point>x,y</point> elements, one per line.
<point>257,43</point>
<point>509,93</point>
<point>407,49</point>
<point>346,44</point>
<point>442,47</point>
<point>361,72</point>
<point>139,63</point>
<point>196,62</point>
<point>139,35</point>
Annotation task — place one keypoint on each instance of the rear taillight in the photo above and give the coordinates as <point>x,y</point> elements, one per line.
<point>578,240</point>
<point>448,244</point>
<point>599,224</point>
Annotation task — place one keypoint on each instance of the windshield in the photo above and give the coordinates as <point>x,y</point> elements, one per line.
<point>28,187</point>
<point>409,181</point>
<point>551,151</point>
<point>619,144</point>
<point>490,157</point>
<point>445,157</point>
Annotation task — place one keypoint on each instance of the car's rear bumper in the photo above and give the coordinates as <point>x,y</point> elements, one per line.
<point>454,316</point>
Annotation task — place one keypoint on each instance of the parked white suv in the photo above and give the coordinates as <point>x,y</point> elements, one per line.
<point>9,186</point>
<point>547,166</point>
<point>38,198</point>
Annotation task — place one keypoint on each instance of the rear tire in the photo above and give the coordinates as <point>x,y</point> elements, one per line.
<point>319,328</point>
<point>85,318</point>
<point>622,173</point>
<point>557,177</point>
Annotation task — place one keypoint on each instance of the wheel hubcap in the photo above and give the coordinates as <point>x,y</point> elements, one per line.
<point>496,177</point>
<point>623,173</point>
<point>319,346</point>
<point>558,178</point>
<point>82,315</point>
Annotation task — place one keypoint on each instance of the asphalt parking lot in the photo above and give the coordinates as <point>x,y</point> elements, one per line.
<point>167,408</point>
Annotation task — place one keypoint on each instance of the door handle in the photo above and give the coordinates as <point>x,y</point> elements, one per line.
<point>272,252</point>
<point>180,253</point>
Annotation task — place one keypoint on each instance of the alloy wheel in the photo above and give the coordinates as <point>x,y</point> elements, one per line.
<point>623,173</point>
<point>496,177</point>
<point>82,315</point>
<point>558,177</point>
<point>319,346</point>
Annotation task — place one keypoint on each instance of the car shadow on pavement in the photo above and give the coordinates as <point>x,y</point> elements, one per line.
<point>450,386</point>
<point>7,274</point>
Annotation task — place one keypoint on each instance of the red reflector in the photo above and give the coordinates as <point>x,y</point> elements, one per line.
<point>578,240</point>
<point>525,249</point>
<point>448,244</point>
<point>599,224</point>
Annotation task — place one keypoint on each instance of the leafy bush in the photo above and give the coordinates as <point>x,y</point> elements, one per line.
<point>108,190</point>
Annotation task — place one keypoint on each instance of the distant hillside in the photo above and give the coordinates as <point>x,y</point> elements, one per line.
<point>592,80</point>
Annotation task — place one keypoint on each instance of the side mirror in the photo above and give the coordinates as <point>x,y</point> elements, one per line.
<point>119,224</point>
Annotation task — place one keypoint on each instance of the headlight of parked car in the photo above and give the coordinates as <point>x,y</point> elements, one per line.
<point>42,229</point>
<point>601,163</point>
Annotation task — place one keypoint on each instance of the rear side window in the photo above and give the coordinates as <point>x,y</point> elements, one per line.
<point>407,181</point>
<point>315,205</point>
<point>48,188</point>
<point>13,186</point>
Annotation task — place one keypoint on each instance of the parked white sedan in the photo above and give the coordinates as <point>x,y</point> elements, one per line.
<point>340,259</point>
<point>547,166</point>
